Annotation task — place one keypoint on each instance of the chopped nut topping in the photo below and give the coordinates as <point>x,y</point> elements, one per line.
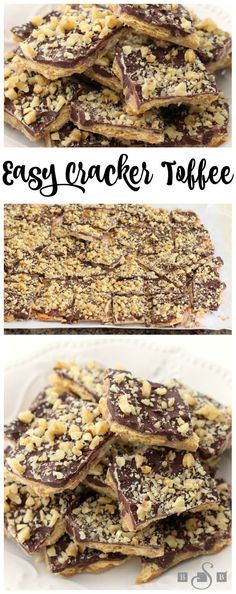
<point>25,416</point>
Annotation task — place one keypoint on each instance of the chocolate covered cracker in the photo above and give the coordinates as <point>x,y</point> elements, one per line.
<point>207,289</point>
<point>97,478</point>
<point>22,32</point>
<point>96,524</point>
<point>57,453</point>
<point>215,45</point>
<point>158,483</point>
<point>155,76</point>
<point>34,522</point>
<point>66,558</point>
<point>171,307</point>
<point>40,407</point>
<point>33,105</point>
<point>102,71</point>
<point>212,422</point>
<point>70,41</point>
<point>54,301</point>
<point>84,381</point>
<point>130,309</point>
<point>103,112</point>
<point>196,125</point>
<point>168,22</point>
<point>147,412</point>
<point>19,294</point>
<point>70,136</point>
<point>201,533</point>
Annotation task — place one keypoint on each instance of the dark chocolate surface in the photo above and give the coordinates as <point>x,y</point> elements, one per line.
<point>57,49</point>
<point>172,17</point>
<point>52,471</point>
<point>162,412</point>
<point>39,516</point>
<point>196,533</point>
<point>158,483</point>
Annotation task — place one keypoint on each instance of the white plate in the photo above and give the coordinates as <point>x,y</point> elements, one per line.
<point>25,378</point>
<point>16,14</point>
<point>217,219</point>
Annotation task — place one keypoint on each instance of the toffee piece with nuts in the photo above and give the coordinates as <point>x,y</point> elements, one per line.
<point>103,112</point>
<point>215,45</point>
<point>211,421</point>
<point>154,76</point>
<point>147,412</point>
<point>57,453</point>
<point>32,104</point>
<point>168,22</point>
<point>34,522</point>
<point>85,381</point>
<point>96,524</point>
<point>70,41</point>
<point>40,408</point>
<point>201,533</point>
<point>159,483</point>
<point>66,558</point>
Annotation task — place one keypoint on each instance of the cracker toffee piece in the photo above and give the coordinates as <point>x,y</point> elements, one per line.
<point>32,104</point>
<point>130,309</point>
<point>57,453</point>
<point>19,294</point>
<point>158,483</point>
<point>34,522</point>
<point>71,41</point>
<point>96,524</point>
<point>147,412</point>
<point>171,307</point>
<point>40,407</point>
<point>168,22</point>
<point>207,289</point>
<point>66,558</point>
<point>196,125</point>
<point>85,381</point>
<point>201,533</point>
<point>155,76</point>
<point>97,478</point>
<point>102,71</point>
<point>212,422</point>
<point>215,45</point>
<point>22,32</point>
<point>70,136</point>
<point>54,301</point>
<point>103,112</point>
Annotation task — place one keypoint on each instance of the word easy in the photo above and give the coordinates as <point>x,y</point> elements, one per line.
<point>77,176</point>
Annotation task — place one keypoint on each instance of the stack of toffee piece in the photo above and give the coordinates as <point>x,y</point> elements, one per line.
<point>104,466</point>
<point>118,75</point>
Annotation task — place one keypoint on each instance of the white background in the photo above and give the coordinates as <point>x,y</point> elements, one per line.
<point>216,349</point>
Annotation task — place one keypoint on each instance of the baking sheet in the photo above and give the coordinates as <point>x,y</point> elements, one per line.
<point>24,378</point>
<point>217,219</point>
<point>16,14</point>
